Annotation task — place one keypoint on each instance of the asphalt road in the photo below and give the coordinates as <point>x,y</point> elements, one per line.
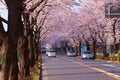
<point>74,68</point>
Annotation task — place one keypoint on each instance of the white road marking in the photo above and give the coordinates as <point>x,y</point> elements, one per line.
<point>113,66</point>
<point>110,65</point>
<point>117,77</point>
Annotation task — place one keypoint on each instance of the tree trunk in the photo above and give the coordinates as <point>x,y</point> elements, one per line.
<point>24,64</point>
<point>94,48</point>
<point>88,45</point>
<point>36,51</point>
<point>21,62</point>
<point>31,51</point>
<point>104,51</point>
<point>9,57</point>
<point>23,50</point>
<point>76,50</point>
<point>35,47</point>
<point>79,49</point>
<point>9,60</point>
<point>26,57</point>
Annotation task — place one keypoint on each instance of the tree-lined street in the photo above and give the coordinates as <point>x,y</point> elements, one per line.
<point>72,68</point>
<point>89,29</point>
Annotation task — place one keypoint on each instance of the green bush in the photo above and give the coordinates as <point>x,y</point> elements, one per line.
<point>113,58</point>
<point>118,57</point>
<point>106,58</point>
<point>99,57</point>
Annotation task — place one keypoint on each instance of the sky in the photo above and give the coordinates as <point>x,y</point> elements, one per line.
<point>77,7</point>
<point>4,14</point>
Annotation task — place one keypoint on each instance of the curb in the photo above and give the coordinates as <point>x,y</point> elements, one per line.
<point>40,70</point>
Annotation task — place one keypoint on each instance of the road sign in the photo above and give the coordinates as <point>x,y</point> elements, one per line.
<point>112,10</point>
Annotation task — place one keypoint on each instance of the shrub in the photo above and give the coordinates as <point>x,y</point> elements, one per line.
<point>113,58</point>
<point>118,57</point>
<point>99,57</point>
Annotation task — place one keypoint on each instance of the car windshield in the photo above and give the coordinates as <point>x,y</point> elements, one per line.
<point>51,51</point>
<point>42,48</point>
<point>87,53</point>
<point>71,51</point>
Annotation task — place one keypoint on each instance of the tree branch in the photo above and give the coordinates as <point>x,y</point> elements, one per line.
<point>2,32</point>
<point>2,19</point>
<point>35,6</point>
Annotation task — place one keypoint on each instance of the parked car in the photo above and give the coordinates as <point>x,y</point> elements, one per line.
<point>87,55</point>
<point>51,52</point>
<point>70,53</point>
<point>43,50</point>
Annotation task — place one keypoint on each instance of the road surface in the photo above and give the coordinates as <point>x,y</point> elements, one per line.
<point>74,68</point>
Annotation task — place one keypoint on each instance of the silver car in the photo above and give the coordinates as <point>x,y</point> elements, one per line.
<point>70,54</point>
<point>51,53</point>
<point>87,55</point>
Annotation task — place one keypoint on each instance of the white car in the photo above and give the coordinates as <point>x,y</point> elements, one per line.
<point>70,53</point>
<point>87,55</point>
<point>51,53</point>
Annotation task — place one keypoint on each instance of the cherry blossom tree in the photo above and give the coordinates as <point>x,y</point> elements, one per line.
<point>21,23</point>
